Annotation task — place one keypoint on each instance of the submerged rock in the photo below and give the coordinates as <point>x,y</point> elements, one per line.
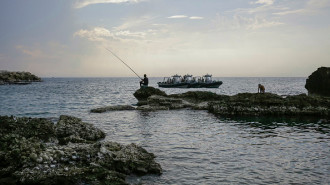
<point>112,108</point>
<point>318,83</point>
<point>31,154</point>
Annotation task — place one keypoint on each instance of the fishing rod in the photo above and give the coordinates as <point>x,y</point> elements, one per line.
<point>123,62</point>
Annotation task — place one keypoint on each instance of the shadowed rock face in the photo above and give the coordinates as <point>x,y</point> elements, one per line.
<point>36,151</point>
<point>318,83</point>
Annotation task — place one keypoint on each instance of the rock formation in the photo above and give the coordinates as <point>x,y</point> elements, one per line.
<point>318,83</point>
<point>142,94</point>
<point>7,77</point>
<point>36,151</point>
<point>151,99</point>
<point>241,104</point>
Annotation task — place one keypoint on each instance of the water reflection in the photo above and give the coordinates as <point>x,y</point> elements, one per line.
<point>270,123</point>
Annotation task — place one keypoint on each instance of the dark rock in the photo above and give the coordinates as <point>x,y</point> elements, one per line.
<point>318,83</point>
<point>271,104</point>
<point>23,78</point>
<point>200,96</point>
<point>71,129</point>
<point>143,93</point>
<point>241,104</point>
<point>112,108</point>
<point>30,154</point>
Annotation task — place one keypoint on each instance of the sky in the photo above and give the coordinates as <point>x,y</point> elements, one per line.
<point>226,38</point>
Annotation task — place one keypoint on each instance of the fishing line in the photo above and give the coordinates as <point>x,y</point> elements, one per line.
<point>122,62</point>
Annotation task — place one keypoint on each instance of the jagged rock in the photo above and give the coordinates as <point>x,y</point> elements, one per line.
<point>318,83</point>
<point>28,156</point>
<point>113,108</point>
<point>143,93</point>
<point>71,129</point>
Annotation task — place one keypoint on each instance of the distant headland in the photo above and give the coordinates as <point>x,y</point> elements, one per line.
<point>20,78</point>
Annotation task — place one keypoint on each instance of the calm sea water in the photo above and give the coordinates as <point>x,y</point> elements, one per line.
<point>193,147</point>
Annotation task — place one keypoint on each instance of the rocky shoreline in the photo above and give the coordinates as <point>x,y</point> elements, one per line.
<point>254,104</point>
<point>18,78</point>
<point>37,151</point>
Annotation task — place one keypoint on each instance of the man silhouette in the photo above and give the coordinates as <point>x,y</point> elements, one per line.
<point>144,81</point>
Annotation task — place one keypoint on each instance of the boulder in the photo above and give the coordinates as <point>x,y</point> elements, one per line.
<point>318,83</point>
<point>143,93</point>
<point>31,154</point>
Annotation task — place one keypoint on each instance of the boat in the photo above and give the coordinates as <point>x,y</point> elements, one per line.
<point>175,81</point>
<point>188,81</point>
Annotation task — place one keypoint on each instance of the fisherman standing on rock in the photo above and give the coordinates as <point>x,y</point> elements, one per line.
<point>144,82</point>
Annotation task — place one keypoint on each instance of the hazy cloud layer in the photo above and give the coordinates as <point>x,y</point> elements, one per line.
<point>225,38</point>
<point>84,3</point>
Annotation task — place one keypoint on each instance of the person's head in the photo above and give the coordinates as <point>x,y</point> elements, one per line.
<point>145,75</point>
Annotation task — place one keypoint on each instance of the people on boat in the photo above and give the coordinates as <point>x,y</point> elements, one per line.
<point>261,88</point>
<point>144,81</point>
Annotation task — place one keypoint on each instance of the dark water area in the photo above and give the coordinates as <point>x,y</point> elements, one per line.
<point>193,147</point>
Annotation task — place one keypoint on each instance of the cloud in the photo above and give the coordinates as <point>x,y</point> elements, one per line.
<point>184,17</point>
<point>263,23</point>
<point>100,34</point>
<point>127,33</point>
<point>96,34</point>
<point>177,17</point>
<point>238,22</point>
<point>318,4</point>
<point>31,52</point>
<point>196,18</point>
<point>264,2</point>
<point>291,12</point>
<point>84,3</point>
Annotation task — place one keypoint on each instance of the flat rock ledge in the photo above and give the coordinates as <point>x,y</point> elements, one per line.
<point>241,104</point>
<point>37,151</point>
<point>112,108</point>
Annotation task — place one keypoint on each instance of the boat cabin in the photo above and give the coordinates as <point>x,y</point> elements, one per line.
<point>188,78</point>
<point>207,78</point>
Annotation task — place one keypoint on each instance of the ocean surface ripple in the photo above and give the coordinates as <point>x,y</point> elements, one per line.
<point>193,147</point>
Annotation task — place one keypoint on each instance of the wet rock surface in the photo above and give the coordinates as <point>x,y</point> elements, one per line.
<point>7,77</point>
<point>112,108</point>
<point>318,83</point>
<point>241,104</point>
<point>37,151</point>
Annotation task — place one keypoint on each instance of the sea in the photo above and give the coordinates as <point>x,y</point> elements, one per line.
<point>192,146</point>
